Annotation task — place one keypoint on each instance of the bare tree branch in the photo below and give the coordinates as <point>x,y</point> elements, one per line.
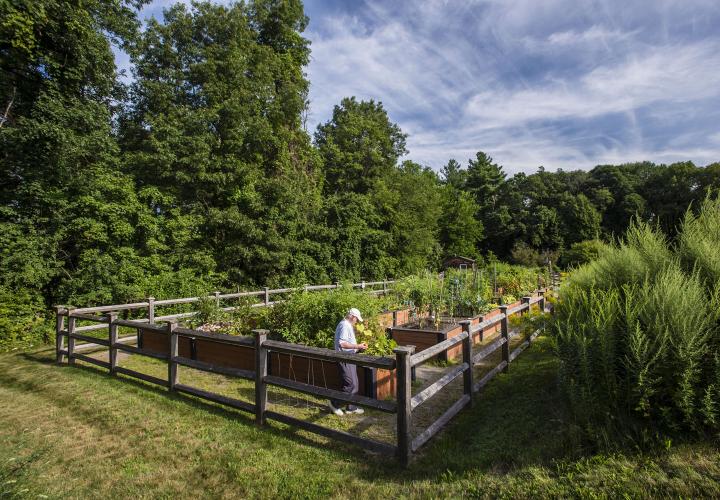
<point>7,109</point>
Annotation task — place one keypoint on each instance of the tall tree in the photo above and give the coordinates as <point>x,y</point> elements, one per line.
<point>484,179</point>
<point>215,129</point>
<point>460,230</point>
<point>359,145</point>
<point>58,161</point>
<point>453,174</point>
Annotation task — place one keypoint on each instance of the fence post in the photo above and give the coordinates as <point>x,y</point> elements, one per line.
<point>217,299</point>
<point>261,368</point>
<point>482,330</point>
<point>172,354</point>
<point>467,358</point>
<point>267,295</point>
<point>337,284</point>
<point>151,310</point>
<point>362,285</point>
<point>541,302</point>
<point>394,314</point>
<point>385,286</point>
<point>71,341</point>
<point>526,300</point>
<point>504,334</point>
<point>59,335</point>
<point>112,338</point>
<point>404,409</point>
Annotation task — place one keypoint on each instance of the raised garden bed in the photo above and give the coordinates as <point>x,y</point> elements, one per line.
<point>374,383</point>
<point>425,337</point>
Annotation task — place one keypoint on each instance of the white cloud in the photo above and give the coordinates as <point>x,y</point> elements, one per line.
<point>558,83</point>
<point>594,34</point>
<point>668,74</point>
<point>507,77</point>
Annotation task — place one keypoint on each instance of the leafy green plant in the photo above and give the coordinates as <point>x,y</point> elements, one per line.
<point>208,312</point>
<point>378,341</point>
<point>638,332</point>
<point>310,318</point>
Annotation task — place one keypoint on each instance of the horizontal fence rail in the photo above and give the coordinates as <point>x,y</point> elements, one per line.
<point>400,366</point>
<point>151,303</point>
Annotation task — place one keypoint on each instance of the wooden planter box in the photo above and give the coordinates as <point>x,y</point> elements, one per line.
<point>402,316</point>
<point>374,383</point>
<point>423,338</point>
<point>428,337</point>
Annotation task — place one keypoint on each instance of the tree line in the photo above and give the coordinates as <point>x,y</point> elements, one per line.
<point>198,173</point>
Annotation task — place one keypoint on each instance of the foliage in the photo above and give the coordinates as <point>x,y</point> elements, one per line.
<point>581,253</point>
<point>200,175</point>
<point>377,340</point>
<point>463,293</point>
<point>310,318</point>
<point>637,332</point>
<point>239,321</point>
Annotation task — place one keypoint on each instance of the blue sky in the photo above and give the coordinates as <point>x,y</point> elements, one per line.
<point>557,83</point>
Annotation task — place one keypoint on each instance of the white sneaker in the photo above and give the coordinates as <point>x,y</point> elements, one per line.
<point>357,411</point>
<point>336,411</point>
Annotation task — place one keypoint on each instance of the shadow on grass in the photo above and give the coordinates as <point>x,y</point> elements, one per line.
<point>272,430</point>
<point>518,420</point>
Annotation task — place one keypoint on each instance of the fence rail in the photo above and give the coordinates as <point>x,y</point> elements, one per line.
<point>402,363</point>
<point>151,303</point>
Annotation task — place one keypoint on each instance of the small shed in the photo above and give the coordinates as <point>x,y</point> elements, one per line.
<point>459,262</point>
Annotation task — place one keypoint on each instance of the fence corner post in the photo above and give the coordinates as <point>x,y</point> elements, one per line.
<point>151,310</point>
<point>404,408</point>
<point>59,334</point>
<point>505,335</point>
<point>261,369</point>
<point>267,296</point>
<point>71,340</point>
<point>112,339</point>
<point>467,358</point>
<point>172,354</point>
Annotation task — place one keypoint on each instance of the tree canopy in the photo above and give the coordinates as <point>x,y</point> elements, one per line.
<point>199,174</point>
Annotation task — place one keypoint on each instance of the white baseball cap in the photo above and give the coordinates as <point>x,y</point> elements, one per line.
<point>356,313</point>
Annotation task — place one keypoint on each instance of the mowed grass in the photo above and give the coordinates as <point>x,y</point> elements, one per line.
<point>78,432</point>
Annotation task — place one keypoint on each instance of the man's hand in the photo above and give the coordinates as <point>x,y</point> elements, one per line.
<point>362,346</point>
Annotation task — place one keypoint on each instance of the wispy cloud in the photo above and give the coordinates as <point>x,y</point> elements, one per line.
<point>556,83</point>
<point>560,83</point>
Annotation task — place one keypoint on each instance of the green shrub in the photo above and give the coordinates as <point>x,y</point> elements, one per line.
<point>310,318</point>
<point>464,293</point>
<point>638,336</point>
<point>24,321</point>
<point>581,253</point>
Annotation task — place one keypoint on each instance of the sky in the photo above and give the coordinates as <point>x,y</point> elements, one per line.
<point>556,83</point>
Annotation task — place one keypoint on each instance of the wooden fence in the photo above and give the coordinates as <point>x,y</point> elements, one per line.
<point>375,287</point>
<point>403,362</point>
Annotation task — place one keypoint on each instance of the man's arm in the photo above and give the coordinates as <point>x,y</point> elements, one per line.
<point>350,345</point>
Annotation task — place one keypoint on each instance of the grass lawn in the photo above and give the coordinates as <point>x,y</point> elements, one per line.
<point>78,432</point>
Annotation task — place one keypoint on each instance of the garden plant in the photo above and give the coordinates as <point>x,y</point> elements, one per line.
<point>638,333</point>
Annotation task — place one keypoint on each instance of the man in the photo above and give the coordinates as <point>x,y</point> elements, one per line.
<point>345,342</point>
